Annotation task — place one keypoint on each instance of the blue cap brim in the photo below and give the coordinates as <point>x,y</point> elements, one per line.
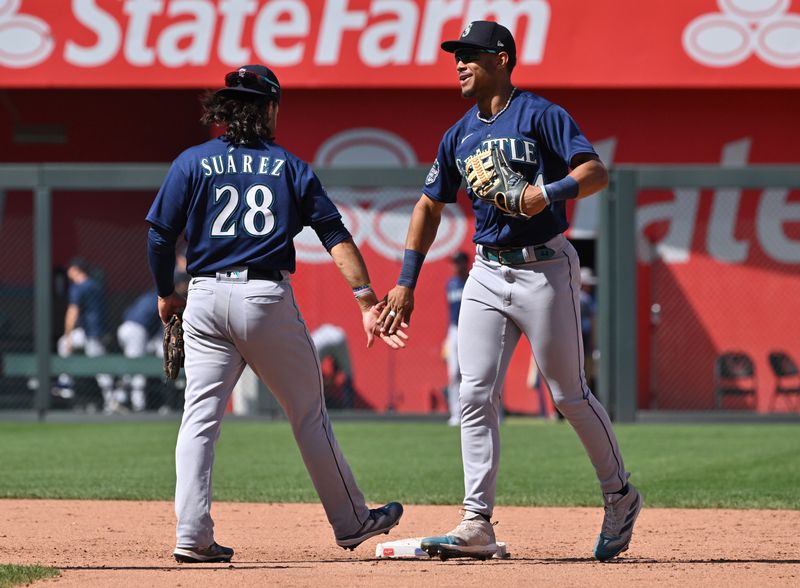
<point>453,46</point>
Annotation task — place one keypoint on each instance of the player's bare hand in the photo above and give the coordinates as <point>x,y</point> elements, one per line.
<point>398,309</point>
<point>533,201</point>
<point>370,318</point>
<point>169,305</point>
<point>397,340</point>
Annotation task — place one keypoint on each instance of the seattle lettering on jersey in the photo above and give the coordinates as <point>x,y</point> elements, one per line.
<point>540,140</point>
<point>517,150</point>
<point>241,164</point>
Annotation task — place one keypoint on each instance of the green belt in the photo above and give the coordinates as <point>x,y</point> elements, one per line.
<point>516,255</point>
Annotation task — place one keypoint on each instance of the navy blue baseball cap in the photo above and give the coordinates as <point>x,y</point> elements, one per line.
<point>487,36</point>
<point>252,79</point>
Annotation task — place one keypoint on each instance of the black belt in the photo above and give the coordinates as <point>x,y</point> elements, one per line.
<point>252,274</point>
<point>516,255</point>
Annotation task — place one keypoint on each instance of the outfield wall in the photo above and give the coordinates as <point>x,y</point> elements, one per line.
<point>710,82</point>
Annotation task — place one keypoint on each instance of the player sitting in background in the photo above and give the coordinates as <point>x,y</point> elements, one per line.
<point>85,324</point>
<point>140,334</point>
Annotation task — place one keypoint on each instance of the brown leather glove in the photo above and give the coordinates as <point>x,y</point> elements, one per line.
<point>173,347</point>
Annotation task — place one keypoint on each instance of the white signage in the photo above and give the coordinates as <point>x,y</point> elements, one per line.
<point>743,28</point>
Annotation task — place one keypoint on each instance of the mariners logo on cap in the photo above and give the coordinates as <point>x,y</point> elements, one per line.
<point>466,30</point>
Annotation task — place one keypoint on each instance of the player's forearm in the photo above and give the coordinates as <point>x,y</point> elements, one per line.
<point>588,177</point>
<point>351,265</point>
<point>591,176</point>
<point>71,318</point>
<point>424,224</point>
<point>421,233</point>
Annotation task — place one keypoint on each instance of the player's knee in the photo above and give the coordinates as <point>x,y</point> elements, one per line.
<point>474,399</point>
<point>571,406</point>
<point>305,417</point>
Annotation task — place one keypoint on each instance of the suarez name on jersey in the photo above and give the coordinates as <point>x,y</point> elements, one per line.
<point>241,163</point>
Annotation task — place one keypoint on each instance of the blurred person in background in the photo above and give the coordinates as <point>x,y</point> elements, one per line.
<point>85,325</point>
<point>536,382</point>
<point>141,333</point>
<point>588,311</point>
<point>84,321</point>
<point>337,372</point>
<point>453,290</point>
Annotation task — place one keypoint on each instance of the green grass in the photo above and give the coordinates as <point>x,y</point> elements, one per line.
<point>11,575</point>
<point>731,466</point>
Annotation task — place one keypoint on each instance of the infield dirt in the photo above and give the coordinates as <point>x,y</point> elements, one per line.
<point>113,543</point>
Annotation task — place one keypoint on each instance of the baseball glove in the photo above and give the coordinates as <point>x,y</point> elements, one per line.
<point>173,347</point>
<point>493,180</point>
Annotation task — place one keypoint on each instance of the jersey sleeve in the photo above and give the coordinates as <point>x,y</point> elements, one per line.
<point>444,179</point>
<point>74,295</point>
<point>562,135</point>
<point>169,209</point>
<point>316,205</point>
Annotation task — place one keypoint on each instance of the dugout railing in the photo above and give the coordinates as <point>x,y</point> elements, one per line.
<point>617,378</point>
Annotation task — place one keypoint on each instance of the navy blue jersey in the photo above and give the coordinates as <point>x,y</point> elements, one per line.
<point>144,310</point>
<point>88,297</point>
<point>539,139</point>
<point>455,288</point>
<point>240,205</point>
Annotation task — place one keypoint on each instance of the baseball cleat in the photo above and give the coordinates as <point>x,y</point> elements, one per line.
<point>473,537</point>
<point>214,553</point>
<point>381,521</point>
<point>621,512</point>
<point>481,552</point>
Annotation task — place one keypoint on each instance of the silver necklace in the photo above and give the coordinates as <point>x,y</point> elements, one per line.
<point>489,121</point>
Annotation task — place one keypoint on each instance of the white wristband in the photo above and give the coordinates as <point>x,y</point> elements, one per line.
<point>545,196</point>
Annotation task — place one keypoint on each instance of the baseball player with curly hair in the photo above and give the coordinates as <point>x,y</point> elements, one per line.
<point>240,200</point>
<point>523,158</point>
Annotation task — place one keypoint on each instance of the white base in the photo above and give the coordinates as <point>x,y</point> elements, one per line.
<point>410,549</point>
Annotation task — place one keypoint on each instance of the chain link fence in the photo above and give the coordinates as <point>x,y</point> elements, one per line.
<point>719,297</point>
<point>716,272</point>
<point>98,265</point>
<point>16,293</point>
<point>111,361</point>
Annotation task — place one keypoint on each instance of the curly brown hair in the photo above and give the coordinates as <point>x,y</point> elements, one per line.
<point>244,115</point>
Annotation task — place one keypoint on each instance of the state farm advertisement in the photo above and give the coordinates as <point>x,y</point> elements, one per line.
<point>395,43</point>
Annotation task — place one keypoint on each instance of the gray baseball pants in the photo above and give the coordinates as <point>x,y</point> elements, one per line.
<point>258,323</point>
<point>539,299</point>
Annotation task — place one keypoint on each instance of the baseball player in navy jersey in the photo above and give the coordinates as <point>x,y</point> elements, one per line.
<point>139,333</point>
<point>239,200</point>
<point>85,325</point>
<point>525,280</point>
